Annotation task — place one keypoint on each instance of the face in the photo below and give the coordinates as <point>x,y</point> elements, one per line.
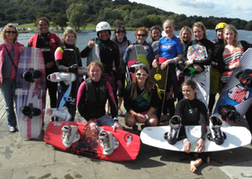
<point>10,34</point>
<point>219,33</point>
<point>95,73</point>
<point>198,33</point>
<point>168,29</point>
<point>155,34</point>
<point>229,36</point>
<point>104,35</point>
<point>141,76</point>
<point>120,34</point>
<point>141,36</point>
<point>70,39</point>
<point>186,35</point>
<point>188,92</point>
<point>43,26</point>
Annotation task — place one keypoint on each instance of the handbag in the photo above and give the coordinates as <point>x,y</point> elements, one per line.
<point>10,57</point>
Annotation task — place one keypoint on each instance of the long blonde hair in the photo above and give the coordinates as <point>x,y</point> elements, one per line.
<point>134,84</point>
<point>181,33</point>
<point>236,41</point>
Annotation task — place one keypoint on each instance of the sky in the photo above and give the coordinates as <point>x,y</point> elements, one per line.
<point>241,9</point>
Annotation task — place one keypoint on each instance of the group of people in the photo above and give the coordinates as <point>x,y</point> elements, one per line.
<point>107,74</point>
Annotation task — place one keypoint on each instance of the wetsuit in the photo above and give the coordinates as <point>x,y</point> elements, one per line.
<point>144,100</point>
<point>92,97</point>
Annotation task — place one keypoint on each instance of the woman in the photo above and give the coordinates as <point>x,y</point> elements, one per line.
<point>67,58</point>
<point>192,112</point>
<point>141,35</point>
<point>47,42</point>
<point>185,36</point>
<point>215,73</point>
<point>10,52</point>
<point>141,100</point>
<point>92,96</point>
<point>155,33</point>
<point>122,42</point>
<point>171,49</point>
<point>232,53</point>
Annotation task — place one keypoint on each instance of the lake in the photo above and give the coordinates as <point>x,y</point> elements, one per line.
<point>83,38</point>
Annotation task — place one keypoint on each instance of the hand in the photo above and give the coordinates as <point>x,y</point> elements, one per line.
<point>187,146</point>
<point>200,146</point>
<point>154,63</point>
<point>91,44</point>
<point>140,118</point>
<point>164,65</point>
<point>21,48</point>
<point>49,65</point>
<point>94,127</point>
<point>197,68</point>
<point>117,126</point>
<point>119,84</point>
<point>146,47</point>
<point>188,62</point>
<point>131,46</point>
<point>235,65</point>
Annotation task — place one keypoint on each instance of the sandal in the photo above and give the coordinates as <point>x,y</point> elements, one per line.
<point>120,113</point>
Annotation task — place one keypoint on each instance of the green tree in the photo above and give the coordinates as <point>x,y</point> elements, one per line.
<point>60,20</point>
<point>77,15</point>
<point>249,25</point>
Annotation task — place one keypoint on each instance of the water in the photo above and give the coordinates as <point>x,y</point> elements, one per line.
<point>83,38</point>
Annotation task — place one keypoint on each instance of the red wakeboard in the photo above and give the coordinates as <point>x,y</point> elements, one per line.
<point>88,144</point>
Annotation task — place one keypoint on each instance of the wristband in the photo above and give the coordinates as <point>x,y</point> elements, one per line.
<point>174,60</point>
<point>147,117</point>
<point>185,140</point>
<point>115,119</point>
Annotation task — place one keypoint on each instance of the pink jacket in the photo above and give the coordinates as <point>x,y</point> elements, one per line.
<point>3,52</point>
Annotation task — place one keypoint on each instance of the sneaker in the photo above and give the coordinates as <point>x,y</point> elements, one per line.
<point>61,113</point>
<point>66,134</point>
<point>66,77</point>
<point>30,111</point>
<point>31,75</point>
<point>104,137</point>
<point>216,134</point>
<point>12,129</point>
<point>175,125</point>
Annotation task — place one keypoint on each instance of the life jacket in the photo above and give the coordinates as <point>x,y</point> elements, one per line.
<point>70,56</point>
<point>95,98</point>
<point>52,42</point>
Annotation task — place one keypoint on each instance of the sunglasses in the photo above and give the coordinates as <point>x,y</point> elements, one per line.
<point>120,31</point>
<point>142,74</point>
<point>10,31</point>
<point>143,35</point>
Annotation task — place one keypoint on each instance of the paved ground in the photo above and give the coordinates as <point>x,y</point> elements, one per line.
<point>33,159</point>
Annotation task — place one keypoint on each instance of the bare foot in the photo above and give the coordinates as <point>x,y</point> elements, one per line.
<point>195,164</point>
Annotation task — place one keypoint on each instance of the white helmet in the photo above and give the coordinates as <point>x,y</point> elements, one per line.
<point>102,26</point>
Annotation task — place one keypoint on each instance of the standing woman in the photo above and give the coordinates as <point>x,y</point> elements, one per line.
<point>47,42</point>
<point>170,48</point>
<point>232,53</point>
<point>122,42</point>
<point>141,35</point>
<point>67,58</point>
<point>185,36</point>
<point>10,52</point>
<point>141,100</point>
<point>192,112</point>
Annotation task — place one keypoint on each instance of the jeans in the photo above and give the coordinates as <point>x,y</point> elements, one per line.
<point>8,93</point>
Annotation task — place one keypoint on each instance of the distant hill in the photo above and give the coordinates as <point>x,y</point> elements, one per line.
<point>116,12</point>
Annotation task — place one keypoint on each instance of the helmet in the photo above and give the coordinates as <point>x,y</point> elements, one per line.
<point>220,25</point>
<point>102,26</point>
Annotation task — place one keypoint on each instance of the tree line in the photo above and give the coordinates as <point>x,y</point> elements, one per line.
<point>116,12</point>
